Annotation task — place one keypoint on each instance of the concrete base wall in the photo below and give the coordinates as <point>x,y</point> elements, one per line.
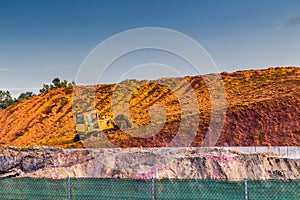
<point>285,151</point>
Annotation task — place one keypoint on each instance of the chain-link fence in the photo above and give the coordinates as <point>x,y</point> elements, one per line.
<point>95,188</point>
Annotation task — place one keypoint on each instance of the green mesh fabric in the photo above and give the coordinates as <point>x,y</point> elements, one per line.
<point>95,188</point>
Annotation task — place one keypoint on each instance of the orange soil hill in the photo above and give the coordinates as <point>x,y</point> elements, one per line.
<point>263,108</point>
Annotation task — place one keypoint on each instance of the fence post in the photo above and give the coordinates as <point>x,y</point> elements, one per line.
<point>246,188</point>
<point>69,188</point>
<point>153,189</point>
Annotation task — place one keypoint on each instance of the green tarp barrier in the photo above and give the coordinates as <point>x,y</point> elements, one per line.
<point>96,188</point>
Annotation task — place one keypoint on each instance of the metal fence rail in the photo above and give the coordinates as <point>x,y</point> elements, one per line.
<point>95,188</point>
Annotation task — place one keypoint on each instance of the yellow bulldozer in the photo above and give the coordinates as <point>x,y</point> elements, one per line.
<point>89,123</point>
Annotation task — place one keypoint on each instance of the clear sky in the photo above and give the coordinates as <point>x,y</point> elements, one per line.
<point>41,40</point>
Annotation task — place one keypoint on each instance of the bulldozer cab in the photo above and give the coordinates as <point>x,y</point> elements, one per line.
<point>90,122</point>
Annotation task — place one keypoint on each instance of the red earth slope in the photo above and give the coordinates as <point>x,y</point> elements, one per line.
<point>263,109</point>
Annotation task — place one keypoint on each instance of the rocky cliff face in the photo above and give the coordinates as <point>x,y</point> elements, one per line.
<point>196,163</point>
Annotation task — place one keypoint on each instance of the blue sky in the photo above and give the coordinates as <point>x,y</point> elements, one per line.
<point>41,40</point>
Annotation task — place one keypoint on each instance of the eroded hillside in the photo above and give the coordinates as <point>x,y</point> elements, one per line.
<point>163,163</point>
<point>263,108</point>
